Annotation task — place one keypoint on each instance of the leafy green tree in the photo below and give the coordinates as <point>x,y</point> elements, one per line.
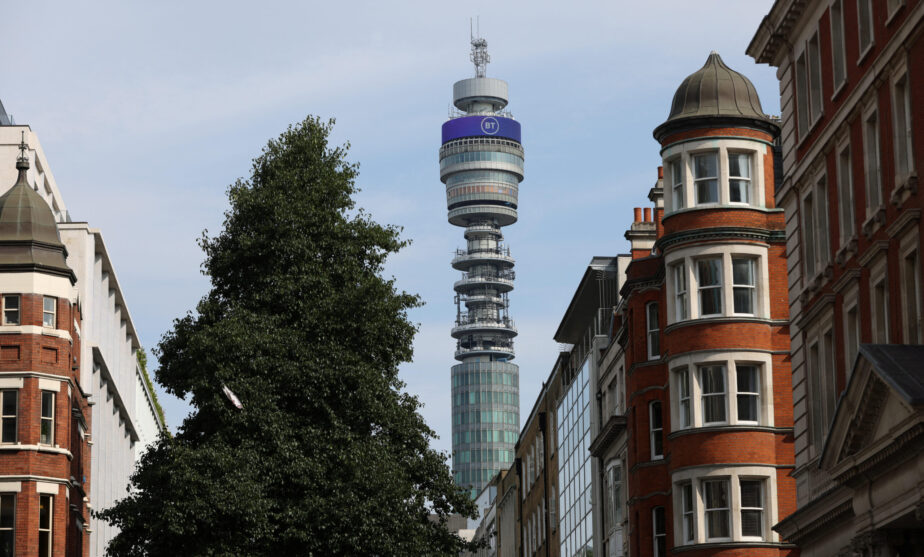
<point>327,455</point>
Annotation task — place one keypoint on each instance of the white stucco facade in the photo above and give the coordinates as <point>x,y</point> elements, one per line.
<point>124,421</point>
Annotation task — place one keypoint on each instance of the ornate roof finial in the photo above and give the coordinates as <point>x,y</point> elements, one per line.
<point>22,163</point>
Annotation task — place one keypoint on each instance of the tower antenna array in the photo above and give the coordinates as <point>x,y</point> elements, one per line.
<point>479,56</point>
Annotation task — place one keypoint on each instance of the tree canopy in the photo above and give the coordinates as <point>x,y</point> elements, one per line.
<point>328,455</point>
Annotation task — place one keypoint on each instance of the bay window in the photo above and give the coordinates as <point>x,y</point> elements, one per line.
<point>49,312</point>
<point>724,504</point>
<point>721,390</point>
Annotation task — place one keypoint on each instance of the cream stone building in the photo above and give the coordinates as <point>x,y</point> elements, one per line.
<point>124,420</point>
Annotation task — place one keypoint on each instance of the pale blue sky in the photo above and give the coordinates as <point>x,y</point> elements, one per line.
<point>147,111</point>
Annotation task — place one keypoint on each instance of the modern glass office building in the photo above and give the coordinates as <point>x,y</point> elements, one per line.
<point>481,165</point>
<point>574,467</point>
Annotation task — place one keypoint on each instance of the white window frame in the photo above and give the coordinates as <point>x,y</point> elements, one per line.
<point>48,529</point>
<point>676,172</point>
<point>718,286</point>
<point>711,513</point>
<point>681,297</point>
<point>838,45</point>
<point>721,371</point>
<point>751,286</point>
<point>759,509</point>
<point>50,440</point>
<point>7,298</point>
<point>690,365</point>
<point>902,126</point>
<point>697,180</point>
<point>656,535</point>
<point>865,6</point>
<point>14,417</point>
<point>655,433</point>
<point>684,397</point>
<point>740,393</point>
<point>745,181</point>
<point>652,331</point>
<point>11,528</point>
<point>846,207</point>
<point>688,512</point>
<point>53,312</point>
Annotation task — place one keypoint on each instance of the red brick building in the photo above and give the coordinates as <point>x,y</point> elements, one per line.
<point>703,321</point>
<point>852,96</point>
<point>44,454</point>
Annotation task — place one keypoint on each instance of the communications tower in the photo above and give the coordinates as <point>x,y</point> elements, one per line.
<point>481,164</point>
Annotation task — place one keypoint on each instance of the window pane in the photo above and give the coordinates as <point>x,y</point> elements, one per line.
<point>750,523</point>
<point>743,271</point>
<point>744,302</point>
<point>709,270</point>
<point>739,165</point>
<point>750,494</point>
<point>7,511</point>
<point>48,400</point>
<point>9,403</point>
<point>705,166</point>
<point>738,191</point>
<point>49,303</point>
<point>45,512</point>
<point>707,191</point>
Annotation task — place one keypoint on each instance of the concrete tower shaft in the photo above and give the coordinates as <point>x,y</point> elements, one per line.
<point>481,164</point>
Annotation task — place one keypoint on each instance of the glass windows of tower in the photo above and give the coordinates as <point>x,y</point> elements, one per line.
<point>574,472</point>
<point>706,178</point>
<point>481,176</point>
<point>481,156</point>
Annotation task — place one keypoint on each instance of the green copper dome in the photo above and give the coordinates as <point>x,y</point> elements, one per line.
<point>29,239</point>
<point>715,91</point>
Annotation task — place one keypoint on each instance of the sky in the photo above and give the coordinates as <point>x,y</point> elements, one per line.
<point>148,111</point>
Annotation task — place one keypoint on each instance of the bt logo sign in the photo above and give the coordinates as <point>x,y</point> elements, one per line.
<point>490,125</point>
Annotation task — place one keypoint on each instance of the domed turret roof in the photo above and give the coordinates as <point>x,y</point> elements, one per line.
<point>29,239</point>
<point>715,90</point>
<point>24,215</point>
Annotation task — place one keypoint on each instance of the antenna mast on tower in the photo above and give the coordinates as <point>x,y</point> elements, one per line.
<point>479,55</point>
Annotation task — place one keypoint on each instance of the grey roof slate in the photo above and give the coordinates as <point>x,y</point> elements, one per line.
<point>899,365</point>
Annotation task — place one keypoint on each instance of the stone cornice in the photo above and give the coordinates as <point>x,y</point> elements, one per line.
<point>720,233</point>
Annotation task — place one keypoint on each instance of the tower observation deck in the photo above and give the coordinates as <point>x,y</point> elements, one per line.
<point>481,164</point>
